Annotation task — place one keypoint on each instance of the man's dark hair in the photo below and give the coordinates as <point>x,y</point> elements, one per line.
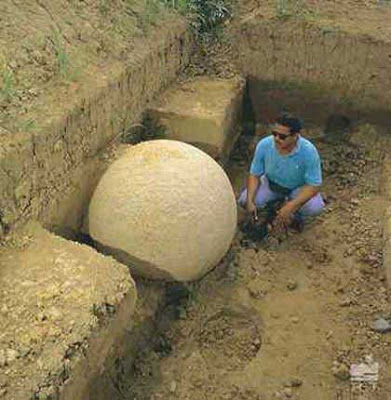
<point>293,123</point>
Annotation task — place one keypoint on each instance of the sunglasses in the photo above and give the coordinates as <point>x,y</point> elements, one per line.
<point>281,136</point>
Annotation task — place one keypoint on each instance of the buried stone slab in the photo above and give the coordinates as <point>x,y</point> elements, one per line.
<point>64,308</point>
<point>204,112</point>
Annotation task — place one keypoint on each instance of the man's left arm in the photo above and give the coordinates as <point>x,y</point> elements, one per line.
<point>306,193</point>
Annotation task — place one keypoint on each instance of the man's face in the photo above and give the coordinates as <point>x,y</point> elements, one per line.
<point>283,137</point>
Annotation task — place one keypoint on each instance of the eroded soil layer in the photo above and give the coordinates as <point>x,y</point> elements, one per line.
<point>43,164</point>
<point>65,309</point>
<point>285,318</point>
<point>342,47</point>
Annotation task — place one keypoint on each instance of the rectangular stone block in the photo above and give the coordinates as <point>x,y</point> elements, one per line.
<point>205,113</point>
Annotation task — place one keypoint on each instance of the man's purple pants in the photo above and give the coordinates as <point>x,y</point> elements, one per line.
<point>264,195</point>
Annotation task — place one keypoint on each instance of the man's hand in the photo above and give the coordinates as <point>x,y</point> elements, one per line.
<point>284,218</point>
<point>252,187</point>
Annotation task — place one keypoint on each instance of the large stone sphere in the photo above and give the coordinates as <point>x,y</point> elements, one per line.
<point>165,208</point>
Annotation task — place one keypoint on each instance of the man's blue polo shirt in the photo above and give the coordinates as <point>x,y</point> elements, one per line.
<point>300,167</point>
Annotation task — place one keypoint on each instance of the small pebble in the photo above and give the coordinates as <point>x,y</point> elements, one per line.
<point>173,387</point>
<point>11,355</point>
<point>341,371</point>
<point>296,382</point>
<point>329,334</point>
<point>292,285</point>
<point>381,325</point>
<point>346,302</point>
<point>4,309</point>
<point>295,320</point>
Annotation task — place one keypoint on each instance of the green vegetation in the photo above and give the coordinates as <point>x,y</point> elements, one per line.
<point>61,54</point>
<point>294,8</point>
<point>26,125</point>
<point>206,15</point>
<point>282,8</point>
<point>7,90</point>
<point>151,14</point>
<point>150,129</point>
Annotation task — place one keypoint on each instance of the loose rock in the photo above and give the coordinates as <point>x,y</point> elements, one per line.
<point>173,387</point>
<point>295,382</point>
<point>341,371</point>
<point>295,320</point>
<point>381,325</point>
<point>292,285</point>
<point>11,355</point>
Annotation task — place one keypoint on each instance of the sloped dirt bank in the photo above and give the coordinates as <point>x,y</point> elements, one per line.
<point>342,47</point>
<point>44,165</point>
<point>60,303</point>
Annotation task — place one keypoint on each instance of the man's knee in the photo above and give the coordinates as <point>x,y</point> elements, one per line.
<point>261,198</point>
<point>313,207</point>
<point>242,199</point>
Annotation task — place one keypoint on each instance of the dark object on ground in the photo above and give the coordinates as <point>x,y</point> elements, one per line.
<point>256,230</point>
<point>297,224</point>
<point>162,346</point>
<point>177,296</point>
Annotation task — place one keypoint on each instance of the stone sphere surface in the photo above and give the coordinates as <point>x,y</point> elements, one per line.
<point>166,208</point>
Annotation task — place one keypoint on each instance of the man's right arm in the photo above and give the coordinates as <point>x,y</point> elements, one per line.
<point>252,187</point>
<point>257,169</point>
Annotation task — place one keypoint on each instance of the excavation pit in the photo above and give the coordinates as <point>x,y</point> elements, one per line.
<point>311,297</point>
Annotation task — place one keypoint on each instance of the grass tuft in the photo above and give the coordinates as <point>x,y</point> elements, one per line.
<point>61,54</point>
<point>150,14</point>
<point>7,90</point>
<point>294,8</point>
<point>207,14</point>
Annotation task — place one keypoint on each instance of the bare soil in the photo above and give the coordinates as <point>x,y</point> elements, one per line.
<point>285,318</point>
<point>50,50</point>
<point>59,302</point>
<point>361,17</point>
<point>74,78</point>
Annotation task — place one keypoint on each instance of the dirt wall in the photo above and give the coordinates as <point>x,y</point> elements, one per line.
<point>346,67</point>
<point>42,172</point>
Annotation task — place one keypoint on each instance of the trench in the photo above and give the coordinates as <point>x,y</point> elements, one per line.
<point>280,318</point>
<point>275,317</point>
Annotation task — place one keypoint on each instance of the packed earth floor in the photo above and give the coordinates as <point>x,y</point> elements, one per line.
<point>285,317</point>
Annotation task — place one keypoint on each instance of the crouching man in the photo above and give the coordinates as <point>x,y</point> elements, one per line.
<point>285,166</point>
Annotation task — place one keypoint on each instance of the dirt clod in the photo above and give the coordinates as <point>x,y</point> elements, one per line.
<point>292,285</point>
<point>341,371</point>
